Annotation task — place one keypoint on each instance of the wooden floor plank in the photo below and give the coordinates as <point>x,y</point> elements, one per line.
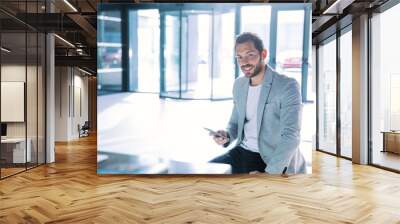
<point>70,191</point>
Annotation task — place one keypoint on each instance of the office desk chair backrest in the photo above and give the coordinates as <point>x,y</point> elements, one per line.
<point>85,126</point>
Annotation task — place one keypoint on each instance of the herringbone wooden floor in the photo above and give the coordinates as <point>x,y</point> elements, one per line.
<point>70,191</point>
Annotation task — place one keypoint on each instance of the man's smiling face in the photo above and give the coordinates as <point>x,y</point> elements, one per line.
<point>249,59</point>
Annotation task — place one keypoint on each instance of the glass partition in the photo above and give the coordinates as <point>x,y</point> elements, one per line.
<point>327,97</point>
<point>31,98</point>
<point>41,107</point>
<point>385,85</point>
<point>14,153</point>
<point>346,94</point>
<point>22,76</point>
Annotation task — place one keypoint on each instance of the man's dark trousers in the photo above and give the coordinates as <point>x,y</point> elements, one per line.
<point>242,160</point>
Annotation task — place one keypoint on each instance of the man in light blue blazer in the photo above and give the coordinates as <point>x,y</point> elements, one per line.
<point>266,116</point>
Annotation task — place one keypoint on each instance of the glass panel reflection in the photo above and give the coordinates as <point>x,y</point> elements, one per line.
<point>171,85</point>
<point>327,97</point>
<point>31,101</point>
<point>109,52</point>
<point>257,19</point>
<point>346,94</point>
<point>289,50</point>
<point>223,54</point>
<point>385,85</point>
<point>148,50</point>
<point>14,150</point>
<point>197,58</point>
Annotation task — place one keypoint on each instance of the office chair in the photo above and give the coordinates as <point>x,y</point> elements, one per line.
<point>84,130</point>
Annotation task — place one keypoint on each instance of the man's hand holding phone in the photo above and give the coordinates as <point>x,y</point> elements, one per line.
<point>220,136</point>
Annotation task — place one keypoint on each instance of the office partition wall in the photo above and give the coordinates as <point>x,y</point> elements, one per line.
<point>13,145</point>
<point>22,77</point>
<point>334,109</point>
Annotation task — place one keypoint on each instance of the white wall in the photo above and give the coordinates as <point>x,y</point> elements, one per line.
<point>71,94</point>
<point>80,103</point>
<point>12,73</point>
<point>61,103</point>
<point>33,126</point>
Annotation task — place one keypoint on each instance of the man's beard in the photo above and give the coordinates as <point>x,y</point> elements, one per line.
<point>257,69</point>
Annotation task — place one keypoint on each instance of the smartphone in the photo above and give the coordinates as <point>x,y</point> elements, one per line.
<point>214,133</point>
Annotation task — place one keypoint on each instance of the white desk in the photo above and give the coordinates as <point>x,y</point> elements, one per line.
<point>114,163</point>
<point>18,149</point>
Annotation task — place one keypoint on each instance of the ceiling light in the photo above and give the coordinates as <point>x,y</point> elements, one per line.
<point>337,7</point>
<point>86,72</point>
<point>5,49</point>
<point>65,41</point>
<point>109,18</point>
<point>70,5</point>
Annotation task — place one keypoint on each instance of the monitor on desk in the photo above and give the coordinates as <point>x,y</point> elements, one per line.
<point>3,130</point>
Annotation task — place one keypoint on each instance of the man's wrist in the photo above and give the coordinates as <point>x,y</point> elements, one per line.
<point>229,140</point>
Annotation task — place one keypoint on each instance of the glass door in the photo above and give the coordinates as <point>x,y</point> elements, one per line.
<point>170,50</point>
<point>198,53</point>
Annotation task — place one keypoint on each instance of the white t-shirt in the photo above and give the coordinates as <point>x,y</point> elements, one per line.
<point>250,139</point>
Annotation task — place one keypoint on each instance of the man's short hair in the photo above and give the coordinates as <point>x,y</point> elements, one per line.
<point>250,37</point>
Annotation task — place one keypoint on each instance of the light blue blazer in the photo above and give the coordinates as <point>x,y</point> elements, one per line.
<point>278,121</point>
